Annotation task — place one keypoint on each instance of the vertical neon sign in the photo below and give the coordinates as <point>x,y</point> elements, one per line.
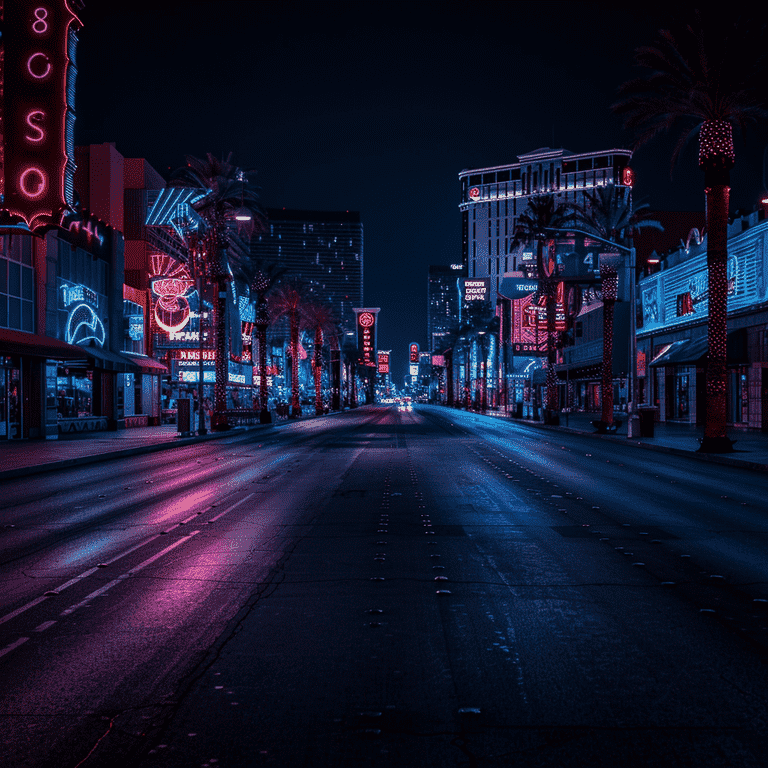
<point>37,119</point>
<point>366,336</point>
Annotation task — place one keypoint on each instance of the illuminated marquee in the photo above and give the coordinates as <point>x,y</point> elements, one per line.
<point>38,122</point>
<point>170,284</point>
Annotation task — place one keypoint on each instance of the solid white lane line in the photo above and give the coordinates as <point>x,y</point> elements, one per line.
<point>14,614</point>
<point>90,571</point>
<point>236,504</point>
<point>123,576</point>
<point>66,584</point>
<point>13,646</point>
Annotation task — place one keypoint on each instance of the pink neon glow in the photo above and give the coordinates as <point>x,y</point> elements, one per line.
<point>35,114</point>
<point>41,14</point>
<point>171,293</point>
<point>25,186</point>
<point>46,71</point>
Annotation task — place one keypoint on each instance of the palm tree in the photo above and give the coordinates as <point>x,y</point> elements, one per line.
<point>320,319</point>
<point>231,206</point>
<point>703,79</point>
<point>266,274</point>
<point>608,213</point>
<point>544,213</point>
<point>287,300</point>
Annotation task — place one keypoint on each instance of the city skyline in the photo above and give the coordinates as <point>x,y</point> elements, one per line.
<point>342,112</point>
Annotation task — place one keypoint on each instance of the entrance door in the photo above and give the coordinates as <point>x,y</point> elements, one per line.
<point>764,399</point>
<point>14,403</point>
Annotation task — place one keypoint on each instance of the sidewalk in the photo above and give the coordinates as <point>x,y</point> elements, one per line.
<point>750,448</point>
<point>30,457</point>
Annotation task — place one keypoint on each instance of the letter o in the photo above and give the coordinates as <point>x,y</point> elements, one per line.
<point>33,176</point>
<point>47,70</point>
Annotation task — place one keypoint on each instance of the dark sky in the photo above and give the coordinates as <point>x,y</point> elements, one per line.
<point>376,107</point>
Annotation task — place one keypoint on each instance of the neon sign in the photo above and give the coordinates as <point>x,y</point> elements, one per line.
<point>37,183</point>
<point>366,335</point>
<point>84,325</point>
<point>170,285</point>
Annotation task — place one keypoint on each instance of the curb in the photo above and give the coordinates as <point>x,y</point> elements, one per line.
<point>710,458</point>
<point>178,442</point>
<point>753,466</point>
<point>94,458</point>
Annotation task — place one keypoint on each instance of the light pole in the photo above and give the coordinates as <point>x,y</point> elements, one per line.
<point>201,429</point>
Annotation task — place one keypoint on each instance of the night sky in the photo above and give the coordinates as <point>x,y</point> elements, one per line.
<point>376,107</point>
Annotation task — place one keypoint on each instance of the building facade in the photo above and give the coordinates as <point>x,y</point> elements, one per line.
<point>493,198</point>
<point>324,248</point>
<point>444,301</point>
<point>673,308</point>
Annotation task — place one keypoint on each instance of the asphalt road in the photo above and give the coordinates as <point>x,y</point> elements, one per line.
<point>386,588</point>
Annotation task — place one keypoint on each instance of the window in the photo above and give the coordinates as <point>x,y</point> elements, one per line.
<point>17,283</point>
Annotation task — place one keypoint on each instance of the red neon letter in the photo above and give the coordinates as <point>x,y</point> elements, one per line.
<point>33,176</point>
<point>35,114</point>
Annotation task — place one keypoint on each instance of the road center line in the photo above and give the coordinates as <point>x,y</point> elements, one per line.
<point>123,576</point>
<point>13,646</point>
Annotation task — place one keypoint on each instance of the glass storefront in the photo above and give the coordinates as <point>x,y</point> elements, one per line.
<point>74,392</point>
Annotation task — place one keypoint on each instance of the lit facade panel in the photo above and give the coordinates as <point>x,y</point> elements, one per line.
<point>321,247</point>
<point>444,302</point>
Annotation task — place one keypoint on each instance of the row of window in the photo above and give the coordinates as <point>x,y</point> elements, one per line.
<point>568,166</point>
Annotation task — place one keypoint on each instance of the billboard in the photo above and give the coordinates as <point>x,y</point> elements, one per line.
<point>413,352</point>
<point>476,289</point>
<point>383,363</point>
<point>38,118</point>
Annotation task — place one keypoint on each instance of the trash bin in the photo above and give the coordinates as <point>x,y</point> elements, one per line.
<point>647,419</point>
<point>184,416</point>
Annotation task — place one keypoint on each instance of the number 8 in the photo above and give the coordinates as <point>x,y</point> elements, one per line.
<point>41,14</point>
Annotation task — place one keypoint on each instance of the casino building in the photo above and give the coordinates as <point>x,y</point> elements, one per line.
<point>493,198</point>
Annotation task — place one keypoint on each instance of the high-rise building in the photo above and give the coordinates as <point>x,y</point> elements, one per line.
<point>493,198</point>
<point>444,302</point>
<point>324,248</point>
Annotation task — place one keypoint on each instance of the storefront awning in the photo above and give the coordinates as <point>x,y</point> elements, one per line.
<point>694,351</point>
<point>111,361</point>
<point>20,343</point>
<point>148,365</point>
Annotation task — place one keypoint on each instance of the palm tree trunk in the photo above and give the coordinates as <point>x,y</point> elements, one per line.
<point>295,403</point>
<point>718,191</point>
<point>219,421</point>
<point>318,371</point>
<point>609,288</point>
<point>335,379</point>
<point>265,417</point>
